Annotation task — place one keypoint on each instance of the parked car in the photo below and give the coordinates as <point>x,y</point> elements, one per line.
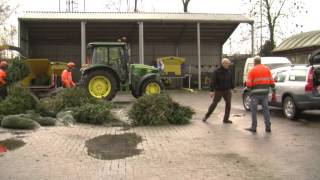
<point>295,90</point>
<point>271,62</point>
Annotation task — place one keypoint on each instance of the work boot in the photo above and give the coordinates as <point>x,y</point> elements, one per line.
<point>204,119</point>
<point>227,122</point>
<point>268,130</point>
<point>251,130</point>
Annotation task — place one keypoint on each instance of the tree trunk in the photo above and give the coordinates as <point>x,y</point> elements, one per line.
<point>185,5</point>
<point>135,5</point>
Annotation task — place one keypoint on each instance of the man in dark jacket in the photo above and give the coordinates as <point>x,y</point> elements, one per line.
<point>220,87</point>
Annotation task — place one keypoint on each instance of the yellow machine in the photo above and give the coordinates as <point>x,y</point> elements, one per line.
<point>39,68</point>
<point>172,65</point>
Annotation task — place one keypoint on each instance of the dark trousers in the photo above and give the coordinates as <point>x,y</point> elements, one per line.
<point>3,92</point>
<point>226,95</point>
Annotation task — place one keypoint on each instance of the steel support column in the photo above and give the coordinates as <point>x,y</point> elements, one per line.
<point>199,56</point>
<point>141,43</point>
<point>83,42</point>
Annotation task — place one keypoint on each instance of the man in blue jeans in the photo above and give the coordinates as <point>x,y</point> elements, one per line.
<point>259,82</point>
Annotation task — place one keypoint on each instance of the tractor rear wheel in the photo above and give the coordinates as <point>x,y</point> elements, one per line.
<point>101,84</point>
<point>151,87</point>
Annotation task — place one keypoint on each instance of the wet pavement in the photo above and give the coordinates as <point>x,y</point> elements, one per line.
<point>196,151</point>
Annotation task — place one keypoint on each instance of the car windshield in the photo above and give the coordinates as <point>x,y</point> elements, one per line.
<point>277,65</point>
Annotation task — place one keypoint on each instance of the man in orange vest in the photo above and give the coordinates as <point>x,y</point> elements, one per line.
<point>66,76</point>
<point>3,83</point>
<point>259,82</point>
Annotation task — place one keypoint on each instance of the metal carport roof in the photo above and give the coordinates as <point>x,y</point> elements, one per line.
<point>300,41</point>
<point>131,16</point>
<point>105,26</point>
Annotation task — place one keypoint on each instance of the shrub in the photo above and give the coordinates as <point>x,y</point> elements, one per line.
<point>72,97</point>
<point>159,110</point>
<point>17,70</point>
<point>18,122</point>
<point>47,107</point>
<point>19,100</point>
<point>46,121</point>
<point>150,110</point>
<point>93,113</point>
<point>180,114</point>
<point>66,99</point>
<point>66,117</point>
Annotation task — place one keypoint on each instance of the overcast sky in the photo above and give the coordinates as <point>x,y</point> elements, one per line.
<point>309,21</point>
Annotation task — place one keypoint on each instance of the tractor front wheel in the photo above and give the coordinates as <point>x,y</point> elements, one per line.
<point>151,87</point>
<point>101,84</point>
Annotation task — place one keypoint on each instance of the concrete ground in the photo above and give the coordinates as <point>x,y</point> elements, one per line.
<point>197,151</point>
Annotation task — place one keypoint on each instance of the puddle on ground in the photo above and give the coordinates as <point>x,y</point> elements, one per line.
<point>110,147</point>
<point>11,144</point>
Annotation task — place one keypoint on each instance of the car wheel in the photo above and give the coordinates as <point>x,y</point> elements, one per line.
<point>246,101</point>
<point>101,85</point>
<point>289,108</point>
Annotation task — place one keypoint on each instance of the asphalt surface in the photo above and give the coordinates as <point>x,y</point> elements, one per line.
<point>199,150</point>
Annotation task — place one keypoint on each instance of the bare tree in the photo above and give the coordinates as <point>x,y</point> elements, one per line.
<point>7,32</point>
<point>275,16</point>
<point>185,5</point>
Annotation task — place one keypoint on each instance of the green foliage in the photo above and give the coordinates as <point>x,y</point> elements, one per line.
<point>47,107</point>
<point>66,99</point>
<point>46,121</point>
<point>73,97</point>
<point>180,114</point>
<point>17,70</point>
<point>93,113</point>
<point>150,110</point>
<point>159,110</point>
<point>18,122</point>
<point>18,101</point>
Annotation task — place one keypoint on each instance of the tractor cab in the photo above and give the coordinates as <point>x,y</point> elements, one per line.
<point>108,68</point>
<point>110,54</point>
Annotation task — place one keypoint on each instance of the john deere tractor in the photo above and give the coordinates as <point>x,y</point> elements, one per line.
<point>109,69</point>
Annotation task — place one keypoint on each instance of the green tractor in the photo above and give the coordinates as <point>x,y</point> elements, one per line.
<point>109,69</point>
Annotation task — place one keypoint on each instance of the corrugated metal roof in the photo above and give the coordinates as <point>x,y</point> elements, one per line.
<point>131,16</point>
<point>303,40</point>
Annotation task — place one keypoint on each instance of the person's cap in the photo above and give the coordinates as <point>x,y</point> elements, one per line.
<point>71,65</point>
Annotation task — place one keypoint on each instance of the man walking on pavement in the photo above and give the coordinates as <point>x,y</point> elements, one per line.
<point>220,87</point>
<point>259,82</point>
<point>66,76</point>
<point>3,75</point>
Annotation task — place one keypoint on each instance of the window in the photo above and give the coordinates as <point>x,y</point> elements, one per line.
<point>116,53</point>
<point>281,76</point>
<point>277,65</point>
<point>298,75</point>
<point>100,55</point>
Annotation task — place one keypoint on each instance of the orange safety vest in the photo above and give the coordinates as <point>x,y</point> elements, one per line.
<point>260,79</point>
<point>3,76</point>
<point>66,79</point>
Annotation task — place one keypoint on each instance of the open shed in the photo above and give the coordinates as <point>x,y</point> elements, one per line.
<point>198,38</point>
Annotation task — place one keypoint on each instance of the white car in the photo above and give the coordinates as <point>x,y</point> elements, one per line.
<point>271,62</point>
